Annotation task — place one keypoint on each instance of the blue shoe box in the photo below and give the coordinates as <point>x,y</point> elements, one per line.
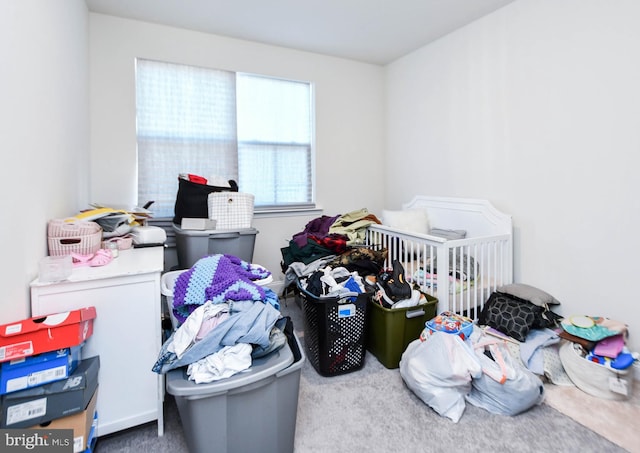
<point>39,369</point>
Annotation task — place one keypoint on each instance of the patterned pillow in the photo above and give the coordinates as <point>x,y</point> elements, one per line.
<point>510,316</point>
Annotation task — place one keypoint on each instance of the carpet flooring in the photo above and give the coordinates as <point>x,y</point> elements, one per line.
<point>372,410</point>
<point>615,420</point>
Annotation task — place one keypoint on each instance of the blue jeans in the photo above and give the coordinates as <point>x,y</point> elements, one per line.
<point>248,322</point>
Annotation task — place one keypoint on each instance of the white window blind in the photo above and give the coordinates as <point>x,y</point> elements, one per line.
<point>274,140</point>
<point>186,123</point>
<point>255,130</point>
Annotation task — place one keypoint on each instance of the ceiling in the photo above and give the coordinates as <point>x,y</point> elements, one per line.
<point>372,31</point>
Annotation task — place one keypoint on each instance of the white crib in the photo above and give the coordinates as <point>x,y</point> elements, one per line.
<point>475,266</point>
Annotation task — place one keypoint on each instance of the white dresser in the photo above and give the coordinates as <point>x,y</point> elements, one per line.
<point>127,332</point>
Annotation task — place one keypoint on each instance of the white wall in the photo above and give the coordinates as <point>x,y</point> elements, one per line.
<point>350,136</point>
<point>44,127</point>
<point>536,108</point>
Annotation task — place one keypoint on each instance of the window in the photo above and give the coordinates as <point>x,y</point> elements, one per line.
<point>253,129</point>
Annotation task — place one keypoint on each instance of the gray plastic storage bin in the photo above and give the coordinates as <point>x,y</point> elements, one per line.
<point>252,411</point>
<point>191,245</point>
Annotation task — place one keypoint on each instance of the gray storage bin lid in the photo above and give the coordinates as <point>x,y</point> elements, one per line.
<point>265,367</point>
<point>220,233</point>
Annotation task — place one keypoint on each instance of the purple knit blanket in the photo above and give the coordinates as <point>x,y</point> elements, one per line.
<point>219,278</point>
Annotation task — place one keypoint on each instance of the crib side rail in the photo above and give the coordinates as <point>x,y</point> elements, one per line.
<point>461,273</point>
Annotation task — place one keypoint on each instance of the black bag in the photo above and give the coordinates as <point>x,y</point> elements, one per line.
<point>192,199</point>
<point>393,282</point>
<point>514,316</point>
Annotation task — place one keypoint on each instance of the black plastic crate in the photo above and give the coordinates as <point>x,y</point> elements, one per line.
<point>335,332</point>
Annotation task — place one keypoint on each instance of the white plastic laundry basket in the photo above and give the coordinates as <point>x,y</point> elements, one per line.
<point>168,282</point>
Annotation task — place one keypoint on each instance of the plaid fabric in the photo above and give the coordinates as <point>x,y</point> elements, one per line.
<point>334,242</point>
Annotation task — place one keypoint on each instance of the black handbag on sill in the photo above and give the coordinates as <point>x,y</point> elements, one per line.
<point>191,199</point>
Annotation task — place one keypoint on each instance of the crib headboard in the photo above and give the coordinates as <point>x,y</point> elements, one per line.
<point>465,284</point>
<point>477,216</point>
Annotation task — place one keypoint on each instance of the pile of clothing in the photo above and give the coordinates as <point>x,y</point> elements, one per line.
<point>327,237</point>
<point>225,319</point>
<point>329,258</point>
<point>334,275</point>
<point>331,242</point>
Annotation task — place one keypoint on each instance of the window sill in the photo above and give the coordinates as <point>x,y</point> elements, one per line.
<point>287,212</point>
<point>316,211</point>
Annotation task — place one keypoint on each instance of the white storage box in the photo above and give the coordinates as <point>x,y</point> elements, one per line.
<point>55,268</point>
<point>231,210</point>
<point>191,245</point>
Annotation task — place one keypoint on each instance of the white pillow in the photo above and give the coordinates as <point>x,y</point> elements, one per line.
<point>413,220</point>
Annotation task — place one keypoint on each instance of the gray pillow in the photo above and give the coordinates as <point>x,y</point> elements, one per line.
<point>529,293</point>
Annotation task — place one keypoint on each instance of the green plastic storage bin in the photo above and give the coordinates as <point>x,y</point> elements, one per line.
<point>390,331</point>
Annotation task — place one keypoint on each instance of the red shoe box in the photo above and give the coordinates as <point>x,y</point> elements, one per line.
<point>46,333</point>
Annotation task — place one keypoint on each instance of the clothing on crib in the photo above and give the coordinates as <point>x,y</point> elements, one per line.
<point>429,280</point>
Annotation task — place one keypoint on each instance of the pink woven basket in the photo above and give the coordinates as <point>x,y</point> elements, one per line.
<point>67,237</point>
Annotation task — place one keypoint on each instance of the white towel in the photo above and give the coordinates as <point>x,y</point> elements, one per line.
<point>222,364</point>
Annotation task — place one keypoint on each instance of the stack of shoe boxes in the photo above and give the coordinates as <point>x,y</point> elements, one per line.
<point>44,384</point>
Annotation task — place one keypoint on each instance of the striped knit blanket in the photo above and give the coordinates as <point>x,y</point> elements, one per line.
<point>220,278</point>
